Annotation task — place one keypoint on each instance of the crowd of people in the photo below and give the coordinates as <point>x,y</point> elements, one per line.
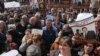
<point>57,39</point>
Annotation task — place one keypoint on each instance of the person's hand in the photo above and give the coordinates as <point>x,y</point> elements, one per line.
<point>29,36</point>
<point>29,41</point>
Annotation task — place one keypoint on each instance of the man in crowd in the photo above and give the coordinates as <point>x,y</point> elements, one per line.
<point>49,35</point>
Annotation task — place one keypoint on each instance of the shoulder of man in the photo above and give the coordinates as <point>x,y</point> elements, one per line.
<point>54,28</point>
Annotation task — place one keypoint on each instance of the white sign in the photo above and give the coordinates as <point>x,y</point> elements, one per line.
<point>10,53</point>
<point>12,4</point>
<point>90,27</point>
<point>37,31</point>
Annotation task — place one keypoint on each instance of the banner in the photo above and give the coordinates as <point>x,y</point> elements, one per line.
<point>12,4</point>
<point>87,23</point>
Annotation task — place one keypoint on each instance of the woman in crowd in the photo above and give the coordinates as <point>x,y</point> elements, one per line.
<point>64,47</point>
<point>35,48</point>
<point>11,41</point>
<point>27,36</point>
<point>31,44</point>
<point>26,41</point>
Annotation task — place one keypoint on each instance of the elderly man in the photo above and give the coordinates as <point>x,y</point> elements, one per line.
<point>49,35</point>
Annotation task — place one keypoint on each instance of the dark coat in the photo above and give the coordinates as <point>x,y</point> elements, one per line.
<point>2,39</point>
<point>49,35</point>
<point>21,29</point>
<point>75,49</point>
<point>48,38</point>
<point>36,26</point>
<point>90,35</point>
